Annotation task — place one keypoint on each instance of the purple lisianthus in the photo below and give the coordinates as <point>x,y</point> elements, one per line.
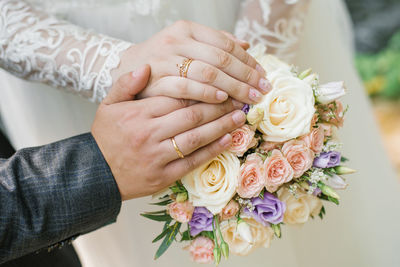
<point>246,108</point>
<point>327,160</point>
<point>267,210</point>
<point>202,220</point>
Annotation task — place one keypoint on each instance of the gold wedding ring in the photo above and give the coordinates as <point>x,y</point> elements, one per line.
<point>184,67</point>
<point>178,151</point>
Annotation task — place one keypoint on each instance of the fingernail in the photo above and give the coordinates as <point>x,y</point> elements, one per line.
<point>238,117</point>
<point>260,70</point>
<point>264,85</point>
<point>255,95</point>
<point>226,140</point>
<point>237,104</point>
<point>221,95</point>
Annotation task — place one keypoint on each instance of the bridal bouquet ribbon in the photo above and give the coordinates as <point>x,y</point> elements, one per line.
<point>281,167</point>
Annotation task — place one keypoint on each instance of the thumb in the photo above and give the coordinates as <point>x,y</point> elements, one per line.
<point>128,85</point>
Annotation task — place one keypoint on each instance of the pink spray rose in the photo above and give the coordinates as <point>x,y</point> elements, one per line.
<point>267,146</point>
<point>201,250</point>
<point>242,140</point>
<point>299,156</point>
<point>332,113</point>
<point>181,211</point>
<point>277,171</point>
<point>251,180</point>
<point>315,139</point>
<point>230,210</point>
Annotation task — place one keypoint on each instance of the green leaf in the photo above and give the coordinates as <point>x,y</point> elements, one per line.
<point>208,234</point>
<point>169,238</point>
<point>186,236</point>
<point>156,212</point>
<point>322,212</point>
<point>162,203</point>
<point>164,233</point>
<point>262,194</point>
<point>334,200</point>
<point>344,159</point>
<point>158,218</point>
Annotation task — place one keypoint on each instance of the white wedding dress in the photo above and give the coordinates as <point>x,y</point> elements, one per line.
<point>362,231</point>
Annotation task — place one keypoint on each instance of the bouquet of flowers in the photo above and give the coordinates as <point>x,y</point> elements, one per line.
<point>282,164</point>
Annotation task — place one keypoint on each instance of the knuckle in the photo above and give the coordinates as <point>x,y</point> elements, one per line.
<point>209,74</point>
<point>191,164</point>
<point>248,75</point>
<point>194,116</point>
<point>208,93</point>
<point>182,23</point>
<point>182,87</point>
<point>183,103</point>
<point>224,59</point>
<point>168,40</point>
<point>193,139</point>
<point>246,58</point>
<point>229,45</point>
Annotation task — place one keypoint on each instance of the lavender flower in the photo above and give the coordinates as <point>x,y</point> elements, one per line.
<point>267,210</point>
<point>246,108</point>
<point>327,160</point>
<point>202,220</point>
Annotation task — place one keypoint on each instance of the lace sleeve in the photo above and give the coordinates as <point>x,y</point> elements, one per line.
<point>275,23</point>
<point>39,47</point>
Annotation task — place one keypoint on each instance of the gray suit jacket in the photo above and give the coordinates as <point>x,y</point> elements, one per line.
<point>51,194</point>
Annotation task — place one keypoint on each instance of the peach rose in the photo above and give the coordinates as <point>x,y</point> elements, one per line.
<point>201,250</point>
<point>332,113</point>
<point>315,139</point>
<point>242,140</point>
<point>267,146</point>
<point>181,211</point>
<point>230,210</point>
<point>251,180</point>
<point>299,156</point>
<point>277,171</point>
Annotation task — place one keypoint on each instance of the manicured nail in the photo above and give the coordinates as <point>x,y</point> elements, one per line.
<point>238,117</point>
<point>261,70</point>
<point>255,95</point>
<point>221,96</point>
<point>264,85</point>
<point>237,104</point>
<point>226,140</point>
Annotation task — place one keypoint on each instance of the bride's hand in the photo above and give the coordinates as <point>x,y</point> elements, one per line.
<point>220,66</point>
<point>135,136</point>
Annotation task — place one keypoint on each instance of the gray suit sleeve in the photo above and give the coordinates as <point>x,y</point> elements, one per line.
<point>53,193</point>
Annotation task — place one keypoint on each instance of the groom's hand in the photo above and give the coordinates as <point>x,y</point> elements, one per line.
<point>135,137</point>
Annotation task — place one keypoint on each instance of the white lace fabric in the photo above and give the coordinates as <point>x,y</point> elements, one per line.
<point>277,24</point>
<point>39,47</point>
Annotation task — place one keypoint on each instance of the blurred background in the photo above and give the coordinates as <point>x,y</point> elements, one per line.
<point>377,37</point>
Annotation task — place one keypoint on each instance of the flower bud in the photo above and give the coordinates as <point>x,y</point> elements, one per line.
<point>305,74</point>
<point>181,197</point>
<point>225,249</point>
<point>244,231</point>
<point>336,182</point>
<point>255,115</point>
<point>329,92</point>
<point>344,170</point>
<point>217,255</point>
<point>327,190</point>
<point>311,79</point>
<point>277,230</point>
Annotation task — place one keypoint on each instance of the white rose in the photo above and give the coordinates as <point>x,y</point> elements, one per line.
<point>288,108</point>
<point>299,207</point>
<point>261,236</point>
<point>214,184</point>
<point>269,62</point>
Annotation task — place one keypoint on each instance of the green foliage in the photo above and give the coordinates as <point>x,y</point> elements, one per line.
<point>170,235</point>
<point>381,72</point>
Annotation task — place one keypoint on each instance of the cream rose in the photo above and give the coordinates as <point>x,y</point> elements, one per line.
<point>299,207</point>
<point>288,108</point>
<point>261,236</point>
<point>268,62</point>
<point>214,184</point>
